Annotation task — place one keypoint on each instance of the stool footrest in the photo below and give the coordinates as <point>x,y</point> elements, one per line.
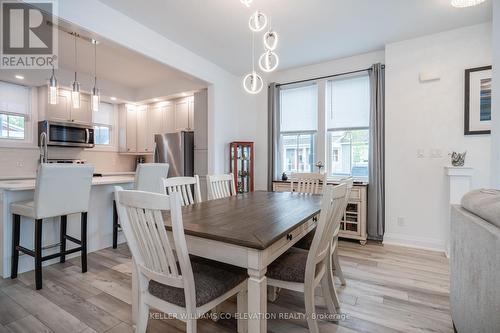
<point>25,250</point>
<point>57,255</point>
<point>73,239</point>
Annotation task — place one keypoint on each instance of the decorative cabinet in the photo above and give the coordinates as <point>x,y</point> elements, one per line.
<point>63,110</point>
<point>242,157</point>
<point>135,136</point>
<point>353,223</point>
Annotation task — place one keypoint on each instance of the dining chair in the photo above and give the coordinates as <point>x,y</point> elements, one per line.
<point>307,183</point>
<point>187,187</point>
<point>306,242</point>
<point>302,271</point>
<point>60,190</point>
<point>220,186</point>
<point>148,178</point>
<point>169,280</point>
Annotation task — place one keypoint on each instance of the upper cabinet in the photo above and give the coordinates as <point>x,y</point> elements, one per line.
<point>184,114</point>
<point>135,136</point>
<point>162,118</point>
<point>63,110</point>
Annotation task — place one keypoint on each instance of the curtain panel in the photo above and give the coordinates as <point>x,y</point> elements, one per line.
<point>273,132</point>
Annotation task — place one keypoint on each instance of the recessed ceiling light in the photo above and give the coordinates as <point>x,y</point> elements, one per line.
<point>19,77</point>
<point>113,98</point>
<point>156,100</point>
<point>466,3</point>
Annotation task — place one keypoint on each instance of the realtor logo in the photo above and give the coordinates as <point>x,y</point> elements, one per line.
<point>28,37</point>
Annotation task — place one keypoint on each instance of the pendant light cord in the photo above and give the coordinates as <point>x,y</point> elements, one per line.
<point>95,63</point>
<point>253,51</point>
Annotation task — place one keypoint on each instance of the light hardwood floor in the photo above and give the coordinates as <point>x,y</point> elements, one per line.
<point>389,289</point>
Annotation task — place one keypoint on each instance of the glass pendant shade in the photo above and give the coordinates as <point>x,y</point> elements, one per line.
<point>253,83</point>
<point>268,61</point>
<point>246,2</point>
<point>75,94</point>
<point>466,3</point>
<point>96,99</point>
<point>52,89</point>
<point>258,21</point>
<point>270,40</point>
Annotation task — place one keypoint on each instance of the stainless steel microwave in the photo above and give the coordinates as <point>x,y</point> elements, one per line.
<point>66,134</point>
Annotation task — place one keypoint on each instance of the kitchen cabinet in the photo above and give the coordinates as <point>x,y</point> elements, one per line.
<point>200,122</point>
<point>161,118</point>
<point>144,133</point>
<point>135,136</point>
<point>184,114</point>
<point>63,110</point>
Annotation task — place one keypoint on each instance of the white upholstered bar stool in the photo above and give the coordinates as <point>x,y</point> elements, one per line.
<point>301,270</point>
<point>148,178</point>
<point>60,190</point>
<point>220,186</point>
<point>187,187</point>
<point>169,279</point>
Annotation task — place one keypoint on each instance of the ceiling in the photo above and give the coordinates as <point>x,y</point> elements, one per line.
<point>310,31</point>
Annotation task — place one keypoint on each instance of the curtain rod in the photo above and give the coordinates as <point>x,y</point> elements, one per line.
<point>327,76</point>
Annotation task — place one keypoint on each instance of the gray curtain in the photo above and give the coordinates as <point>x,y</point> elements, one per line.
<point>272,128</point>
<point>376,187</point>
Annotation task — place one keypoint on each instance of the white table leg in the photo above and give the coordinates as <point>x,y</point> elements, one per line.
<point>135,292</point>
<point>257,301</point>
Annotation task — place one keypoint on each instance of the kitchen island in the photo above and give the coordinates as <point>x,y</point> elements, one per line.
<point>99,227</point>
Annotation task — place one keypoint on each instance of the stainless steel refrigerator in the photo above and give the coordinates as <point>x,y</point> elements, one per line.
<point>176,149</point>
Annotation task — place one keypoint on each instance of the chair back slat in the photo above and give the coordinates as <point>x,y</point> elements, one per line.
<point>148,177</point>
<point>142,221</point>
<point>187,187</point>
<point>307,183</point>
<point>331,207</point>
<point>220,186</point>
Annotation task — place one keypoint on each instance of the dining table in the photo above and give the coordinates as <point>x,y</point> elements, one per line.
<point>248,230</point>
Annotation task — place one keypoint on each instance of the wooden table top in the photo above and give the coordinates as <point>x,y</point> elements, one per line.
<point>254,220</point>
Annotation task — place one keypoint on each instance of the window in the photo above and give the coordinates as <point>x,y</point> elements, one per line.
<point>298,127</point>
<point>14,111</point>
<point>103,124</point>
<point>348,122</point>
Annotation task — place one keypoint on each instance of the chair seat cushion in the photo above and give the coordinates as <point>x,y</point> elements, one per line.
<point>211,280</point>
<point>290,266</point>
<point>306,241</point>
<point>23,208</point>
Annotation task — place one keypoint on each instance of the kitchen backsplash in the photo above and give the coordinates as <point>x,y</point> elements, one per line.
<point>24,162</point>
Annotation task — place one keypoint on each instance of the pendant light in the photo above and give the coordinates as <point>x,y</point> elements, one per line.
<point>96,98</point>
<point>268,61</point>
<point>75,86</point>
<point>257,21</point>
<point>252,82</point>
<point>466,3</point>
<point>52,88</point>
<point>246,2</point>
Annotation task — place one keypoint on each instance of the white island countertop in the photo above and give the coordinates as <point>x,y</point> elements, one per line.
<point>29,184</point>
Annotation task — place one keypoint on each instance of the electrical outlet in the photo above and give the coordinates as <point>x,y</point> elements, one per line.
<point>401,221</point>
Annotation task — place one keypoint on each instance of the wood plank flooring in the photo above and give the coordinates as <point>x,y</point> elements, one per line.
<point>389,289</point>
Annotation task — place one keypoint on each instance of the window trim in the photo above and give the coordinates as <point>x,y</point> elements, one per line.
<point>30,140</point>
<point>25,120</point>
<point>297,133</point>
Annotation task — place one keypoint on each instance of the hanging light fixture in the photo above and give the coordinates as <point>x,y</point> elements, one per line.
<point>257,21</point>
<point>52,88</point>
<point>466,3</point>
<point>252,82</point>
<point>246,2</point>
<point>75,86</point>
<point>270,40</point>
<point>268,61</point>
<point>96,98</point>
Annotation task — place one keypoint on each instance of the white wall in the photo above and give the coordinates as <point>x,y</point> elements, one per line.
<point>495,135</point>
<point>253,125</point>
<point>429,116</point>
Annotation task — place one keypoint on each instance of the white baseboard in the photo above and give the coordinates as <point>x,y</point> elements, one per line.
<point>431,244</point>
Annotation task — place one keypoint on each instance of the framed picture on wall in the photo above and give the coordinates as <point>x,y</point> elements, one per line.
<point>478,100</point>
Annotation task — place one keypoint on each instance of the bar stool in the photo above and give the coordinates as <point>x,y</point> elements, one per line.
<point>60,190</point>
<point>148,178</point>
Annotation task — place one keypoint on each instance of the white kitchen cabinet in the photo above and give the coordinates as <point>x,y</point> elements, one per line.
<point>82,114</point>
<point>201,120</point>
<point>63,110</point>
<point>191,113</point>
<point>161,118</point>
<point>144,133</point>
<point>135,135</point>
<point>181,114</point>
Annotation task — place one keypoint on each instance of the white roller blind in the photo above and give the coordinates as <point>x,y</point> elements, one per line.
<point>14,98</point>
<point>349,102</point>
<point>299,108</point>
<point>105,115</point>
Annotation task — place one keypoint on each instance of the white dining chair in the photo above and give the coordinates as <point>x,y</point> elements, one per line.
<point>169,280</point>
<point>60,190</point>
<point>220,186</point>
<point>306,242</point>
<point>148,178</point>
<point>301,270</point>
<point>187,187</point>
<point>307,183</point>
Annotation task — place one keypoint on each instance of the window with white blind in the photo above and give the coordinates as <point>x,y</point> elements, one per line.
<point>104,120</point>
<point>348,125</point>
<point>298,128</point>
<point>14,111</point>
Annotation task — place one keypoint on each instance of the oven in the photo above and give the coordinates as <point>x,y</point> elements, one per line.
<point>66,134</point>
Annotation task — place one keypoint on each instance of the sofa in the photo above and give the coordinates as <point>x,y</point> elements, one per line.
<point>475,263</point>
